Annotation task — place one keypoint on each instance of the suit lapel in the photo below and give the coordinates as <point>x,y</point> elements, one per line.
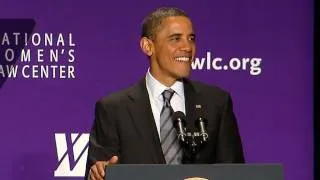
<point>193,101</point>
<point>141,113</point>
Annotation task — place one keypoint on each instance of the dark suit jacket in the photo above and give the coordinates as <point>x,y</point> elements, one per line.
<point>124,126</point>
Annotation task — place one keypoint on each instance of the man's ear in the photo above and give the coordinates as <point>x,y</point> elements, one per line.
<point>146,46</point>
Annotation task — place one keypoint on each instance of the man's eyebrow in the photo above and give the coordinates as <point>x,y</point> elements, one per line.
<point>179,34</point>
<point>175,35</point>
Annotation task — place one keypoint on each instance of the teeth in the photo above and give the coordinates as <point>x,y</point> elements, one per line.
<point>182,59</point>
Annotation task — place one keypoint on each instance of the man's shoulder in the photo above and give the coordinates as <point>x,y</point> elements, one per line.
<point>212,93</point>
<point>208,88</point>
<point>120,96</point>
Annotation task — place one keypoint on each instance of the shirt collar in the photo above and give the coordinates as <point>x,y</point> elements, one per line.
<point>156,88</point>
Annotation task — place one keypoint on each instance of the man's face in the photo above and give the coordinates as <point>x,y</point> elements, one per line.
<point>173,50</point>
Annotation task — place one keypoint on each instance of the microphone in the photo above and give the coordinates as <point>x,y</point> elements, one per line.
<point>201,124</point>
<point>179,122</point>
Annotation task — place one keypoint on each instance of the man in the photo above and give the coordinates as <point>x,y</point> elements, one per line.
<point>133,126</point>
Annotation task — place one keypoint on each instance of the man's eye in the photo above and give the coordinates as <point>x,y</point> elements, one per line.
<point>175,38</point>
<point>192,39</point>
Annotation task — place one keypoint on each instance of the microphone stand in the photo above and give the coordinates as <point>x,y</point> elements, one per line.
<point>192,143</point>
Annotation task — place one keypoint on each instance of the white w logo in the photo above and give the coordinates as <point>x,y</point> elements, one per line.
<point>71,162</point>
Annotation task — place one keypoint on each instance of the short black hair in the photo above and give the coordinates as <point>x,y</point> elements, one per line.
<point>151,22</point>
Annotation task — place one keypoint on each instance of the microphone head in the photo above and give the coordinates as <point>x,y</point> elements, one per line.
<point>179,116</point>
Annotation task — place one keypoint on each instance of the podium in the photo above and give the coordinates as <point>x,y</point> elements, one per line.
<point>204,171</point>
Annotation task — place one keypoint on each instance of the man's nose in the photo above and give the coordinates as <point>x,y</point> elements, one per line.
<point>187,45</point>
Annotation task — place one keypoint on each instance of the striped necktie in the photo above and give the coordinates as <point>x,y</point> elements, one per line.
<point>171,148</point>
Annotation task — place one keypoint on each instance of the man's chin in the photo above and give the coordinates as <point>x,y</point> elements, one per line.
<point>184,75</point>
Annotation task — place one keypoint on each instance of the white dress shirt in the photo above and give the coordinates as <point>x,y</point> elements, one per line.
<point>155,89</point>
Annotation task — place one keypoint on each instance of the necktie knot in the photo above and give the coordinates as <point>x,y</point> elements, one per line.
<point>167,94</point>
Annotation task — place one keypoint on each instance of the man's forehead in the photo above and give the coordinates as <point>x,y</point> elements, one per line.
<point>176,24</point>
<point>176,19</point>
